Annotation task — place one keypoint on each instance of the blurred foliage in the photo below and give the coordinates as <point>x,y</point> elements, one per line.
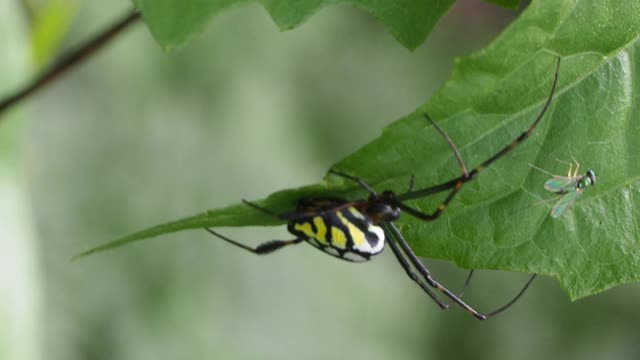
<point>137,136</point>
<point>493,97</point>
<point>50,21</point>
<point>20,286</point>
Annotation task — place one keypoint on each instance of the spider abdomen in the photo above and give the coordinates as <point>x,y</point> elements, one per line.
<point>345,233</point>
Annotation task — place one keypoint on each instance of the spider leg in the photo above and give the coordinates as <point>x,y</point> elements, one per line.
<point>407,268</point>
<point>446,137</point>
<point>453,147</point>
<point>262,249</point>
<point>457,186</point>
<point>427,275</point>
<point>456,183</point>
<point>287,216</point>
<point>466,283</point>
<point>260,208</point>
<point>525,135</point>
<point>468,279</point>
<point>360,182</point>
<point>503,307</point>
<point>513,301</point>
<point>436,213</point>
<point>412,182</point>
<point>397,236</point>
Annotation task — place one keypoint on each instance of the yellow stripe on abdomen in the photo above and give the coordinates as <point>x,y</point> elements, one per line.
<point>357,235</point>
<point>321,228</point>
<point>338,238</point>
<point>305,228</point>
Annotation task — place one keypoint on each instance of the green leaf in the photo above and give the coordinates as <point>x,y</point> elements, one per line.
<point>512,4</point>
<point>174,22</point>
<point>498,221</point>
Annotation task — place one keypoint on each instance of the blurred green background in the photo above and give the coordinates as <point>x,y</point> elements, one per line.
<point>138,137</point>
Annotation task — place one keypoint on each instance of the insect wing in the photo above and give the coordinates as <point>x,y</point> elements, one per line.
<point>561,184</point>
<point>564,203</point>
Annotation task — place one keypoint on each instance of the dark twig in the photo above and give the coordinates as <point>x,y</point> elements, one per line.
<point>68,60</point>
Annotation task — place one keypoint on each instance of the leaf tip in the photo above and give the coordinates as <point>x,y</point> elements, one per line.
<point>88,252</point>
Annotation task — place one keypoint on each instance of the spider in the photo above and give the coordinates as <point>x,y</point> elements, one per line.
<point>357,230</point>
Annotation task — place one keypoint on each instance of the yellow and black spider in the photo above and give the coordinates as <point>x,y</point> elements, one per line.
<point>357,230</point>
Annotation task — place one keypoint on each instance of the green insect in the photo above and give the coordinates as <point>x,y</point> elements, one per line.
<point>569,187</point>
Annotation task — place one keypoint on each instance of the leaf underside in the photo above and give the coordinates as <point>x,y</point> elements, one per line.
<point>174,22</point>
<point>499,221</point>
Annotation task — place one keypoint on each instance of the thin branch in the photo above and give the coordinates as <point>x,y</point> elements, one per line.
<point>68,60</point>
